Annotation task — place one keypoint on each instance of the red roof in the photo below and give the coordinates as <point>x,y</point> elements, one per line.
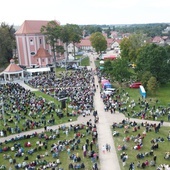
<point>42,53</point>
<point>31,26</point>
<point>85,42</point>
<point>157,39</point>
<point>111,57</point>
<point>13,67</point>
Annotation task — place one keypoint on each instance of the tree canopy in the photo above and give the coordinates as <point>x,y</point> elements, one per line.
<point>154,59</point>
<point>98,42</point>
<point>130,46</point>
<point>7,43</point>
<point>117,70</point>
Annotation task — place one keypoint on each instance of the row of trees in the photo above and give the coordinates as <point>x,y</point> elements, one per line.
<point>56,35</point>
<point>150,30</point>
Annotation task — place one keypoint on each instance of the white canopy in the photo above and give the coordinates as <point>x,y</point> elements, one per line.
<point>101,62</point>
<point>38,70</point>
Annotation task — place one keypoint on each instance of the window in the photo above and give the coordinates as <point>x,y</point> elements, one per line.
<point>31,42</point>
<point>32,53</point>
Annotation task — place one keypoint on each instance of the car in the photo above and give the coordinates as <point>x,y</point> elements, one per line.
<point>135,85</point>
<point>110,89</point>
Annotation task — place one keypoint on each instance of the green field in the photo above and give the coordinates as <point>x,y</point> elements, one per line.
<point>132,153</point>
<point>71,141</point>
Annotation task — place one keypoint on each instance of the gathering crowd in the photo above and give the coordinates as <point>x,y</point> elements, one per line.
<point>21,105</point>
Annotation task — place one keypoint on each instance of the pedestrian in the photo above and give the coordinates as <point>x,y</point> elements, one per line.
<point>104,149</point>
<point>109,147</point>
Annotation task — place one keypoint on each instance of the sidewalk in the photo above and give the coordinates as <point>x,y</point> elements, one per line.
<point>109,160</point>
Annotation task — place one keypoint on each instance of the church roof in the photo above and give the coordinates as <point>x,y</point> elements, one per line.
<point>31,27</point>
<point>12,68</point>
<point>42,53</point>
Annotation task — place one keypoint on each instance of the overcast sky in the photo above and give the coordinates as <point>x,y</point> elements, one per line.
<point>86,11</point>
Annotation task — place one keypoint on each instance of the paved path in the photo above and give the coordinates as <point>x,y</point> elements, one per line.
<point>108,161</point>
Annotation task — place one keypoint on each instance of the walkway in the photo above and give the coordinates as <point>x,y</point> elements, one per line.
<point>109,160</point>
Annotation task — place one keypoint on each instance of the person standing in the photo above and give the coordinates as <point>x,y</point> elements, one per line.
<point>104,149</point>
<point>109,147</point>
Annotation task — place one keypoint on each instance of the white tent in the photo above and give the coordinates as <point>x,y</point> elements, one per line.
<point>38,70</point>
<point>101,62</point>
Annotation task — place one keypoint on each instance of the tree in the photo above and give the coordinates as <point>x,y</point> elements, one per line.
<point>98,42</point>
<point>152,85</point>
<point>118,70</point>
<point>131,45</point>
<point>154,58</point>
<point>7,43</point>
<point>145,78</point>
<point>108,31</point>
<point>75,34</point>
<point>52,32</point>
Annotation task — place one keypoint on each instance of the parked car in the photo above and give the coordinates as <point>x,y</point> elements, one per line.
<point>135,85</point>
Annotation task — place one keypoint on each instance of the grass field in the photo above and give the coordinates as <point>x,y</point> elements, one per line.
<point>64,156</point>
<point>132,153</point>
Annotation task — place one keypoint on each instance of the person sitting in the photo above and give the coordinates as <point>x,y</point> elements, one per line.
<point>167,155</point>
<point>70,166</point>
<point>27,144</point>
<point>152,163</point>
<point>134,129</point>
<point>58,161</point>
<point>115,133</point>
<point>147,163</point>
<point>143,165</point>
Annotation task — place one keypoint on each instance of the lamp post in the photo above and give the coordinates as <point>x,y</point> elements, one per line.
<point>3,112</point>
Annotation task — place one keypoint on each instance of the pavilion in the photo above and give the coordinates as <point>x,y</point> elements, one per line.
<point>13,69</point>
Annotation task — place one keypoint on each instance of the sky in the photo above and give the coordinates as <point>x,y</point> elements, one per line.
<point>86,12</point>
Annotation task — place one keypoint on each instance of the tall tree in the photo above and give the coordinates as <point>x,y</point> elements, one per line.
<point>152,85</point>
<point>98,42</point>
<point>7,43</point>
<point>52,32</point>
<point>154,58</point>
<point>75,34</point>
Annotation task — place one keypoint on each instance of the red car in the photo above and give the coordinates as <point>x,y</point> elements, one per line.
<point>135,85</point>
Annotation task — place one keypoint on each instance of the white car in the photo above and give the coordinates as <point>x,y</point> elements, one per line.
<point>107,92</point>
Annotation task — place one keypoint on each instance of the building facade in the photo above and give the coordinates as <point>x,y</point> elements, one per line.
<point>29,40</point>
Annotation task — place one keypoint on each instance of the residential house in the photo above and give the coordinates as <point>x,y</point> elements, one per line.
<point>29,40</point>
<point>158,40</point>
<point>71,48</point>
<point>116,46</point>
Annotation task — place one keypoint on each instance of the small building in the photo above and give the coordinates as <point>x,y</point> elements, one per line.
<point>13,71</point>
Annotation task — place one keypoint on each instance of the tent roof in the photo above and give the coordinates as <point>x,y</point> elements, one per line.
<point>13,68</point>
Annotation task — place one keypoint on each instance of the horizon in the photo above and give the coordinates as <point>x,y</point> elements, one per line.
<point>89,12</point>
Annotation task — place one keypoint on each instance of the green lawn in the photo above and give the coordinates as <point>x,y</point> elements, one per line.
<point>160,152</point>
<point>85,61</point>
<point>162,96</point>
<point>63,155</point>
